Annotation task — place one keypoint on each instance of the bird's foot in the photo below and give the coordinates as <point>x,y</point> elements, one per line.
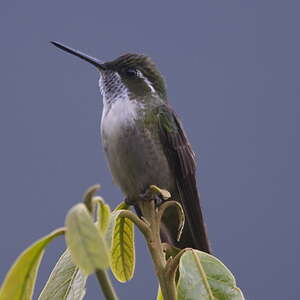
<point>146,196</point>
<point>150,196</point>
<point>156,194</point>
<point>130,201</point>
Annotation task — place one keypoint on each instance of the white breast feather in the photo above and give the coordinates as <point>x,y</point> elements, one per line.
<point>122,112</point>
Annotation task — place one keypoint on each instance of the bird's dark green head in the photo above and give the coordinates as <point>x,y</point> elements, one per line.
<point>139,74</point>
<point>131,75</point>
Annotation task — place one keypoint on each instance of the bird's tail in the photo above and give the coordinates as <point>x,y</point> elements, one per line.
<point>194,234</point>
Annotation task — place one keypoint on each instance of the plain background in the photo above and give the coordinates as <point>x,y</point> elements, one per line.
<point>232,69</point>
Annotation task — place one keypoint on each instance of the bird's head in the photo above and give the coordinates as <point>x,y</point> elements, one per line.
<point>131,75</point>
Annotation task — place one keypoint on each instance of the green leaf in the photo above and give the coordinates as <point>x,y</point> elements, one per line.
<point>121,239</point>
<point>20,280</point>
<point>112,222</point>
<point>159,294</point>
<point>66,281</point>
<point>87,246</point>
<point>122,205</point>
<point>103,215</point>
<point>181,218</point>
<point>204,277</point>
<point>89,195</point>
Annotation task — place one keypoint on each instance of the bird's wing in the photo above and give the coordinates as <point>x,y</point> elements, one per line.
<point>181,159</point>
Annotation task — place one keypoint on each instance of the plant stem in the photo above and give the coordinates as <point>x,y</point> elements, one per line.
<point>106,285</point>
<point>151,215</point>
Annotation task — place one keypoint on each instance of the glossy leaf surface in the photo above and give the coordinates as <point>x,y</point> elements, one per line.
<point>204,277</point>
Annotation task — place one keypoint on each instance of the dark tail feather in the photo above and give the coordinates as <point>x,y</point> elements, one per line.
<point>194,234</point>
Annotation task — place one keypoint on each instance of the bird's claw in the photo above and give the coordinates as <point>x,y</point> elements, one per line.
<point>156,194</point>
<point>129,201</point>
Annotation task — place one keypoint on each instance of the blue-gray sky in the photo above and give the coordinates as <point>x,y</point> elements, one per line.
<point>232,69</point>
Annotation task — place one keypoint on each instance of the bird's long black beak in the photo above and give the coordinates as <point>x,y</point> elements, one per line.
<point>94,61</point>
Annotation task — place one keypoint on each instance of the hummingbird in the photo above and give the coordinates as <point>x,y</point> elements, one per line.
<point>145,143</point>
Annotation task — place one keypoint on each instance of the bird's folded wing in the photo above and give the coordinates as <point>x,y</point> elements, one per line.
<point>181,159</point>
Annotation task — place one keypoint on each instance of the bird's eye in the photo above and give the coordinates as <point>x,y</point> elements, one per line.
<point>131,72</point>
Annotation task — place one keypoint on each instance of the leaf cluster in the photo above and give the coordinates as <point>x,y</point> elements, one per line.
<point>99,239</point>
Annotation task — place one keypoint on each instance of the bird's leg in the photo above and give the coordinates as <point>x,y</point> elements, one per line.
<point>147,196</point>
<point>151,194</point>
<point>130,201</point>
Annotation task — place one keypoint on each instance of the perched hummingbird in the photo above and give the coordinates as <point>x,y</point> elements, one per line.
<point>145,142</point>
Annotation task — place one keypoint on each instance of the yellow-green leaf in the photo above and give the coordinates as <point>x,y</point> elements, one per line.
<point>20,280</point>
<point>122,205</point>
<point>204,277</point>
<point>89,195</point>
<point>112,222</point>
<point>122,248</point>
<point>87,246</point>
<point>66,281</point>
<point>181,218</point>
<point>103,215</point>
<point>159,294</point>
